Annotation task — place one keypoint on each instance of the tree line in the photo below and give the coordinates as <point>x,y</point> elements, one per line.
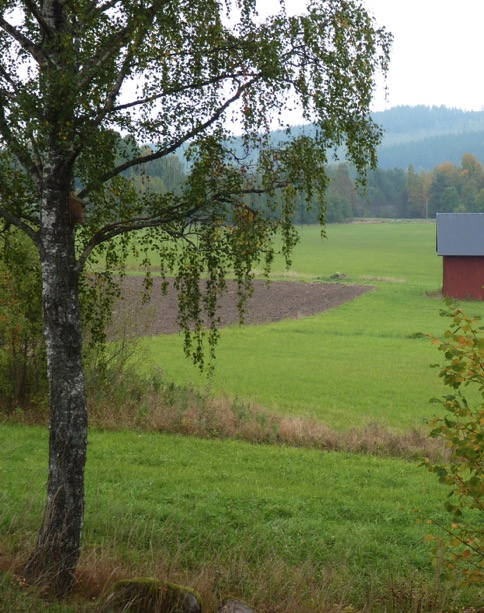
<point>407,194</point>
<point>389,193</point>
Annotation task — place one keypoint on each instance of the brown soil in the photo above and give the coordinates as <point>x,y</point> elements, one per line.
<point>280,300</point>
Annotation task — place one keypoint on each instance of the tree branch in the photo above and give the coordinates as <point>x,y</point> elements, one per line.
<point>114,44</point>
<point>93,8</point>
<point>109,231</point>
<point>27,45</point>
<point>15,147</point>
<point>8,78</point>
<point>34,9</point>
<point>109,104</point>
<point>200,128</point>
<point>111,48</point>
<point>180,90</point>
<point>20,224</point>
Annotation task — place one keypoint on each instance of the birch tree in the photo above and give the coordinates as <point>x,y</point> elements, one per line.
<point>90,89</point>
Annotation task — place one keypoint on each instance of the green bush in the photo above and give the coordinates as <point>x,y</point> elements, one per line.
<point>23,379</point>
<point>23,369</point>
<point>462,429</point>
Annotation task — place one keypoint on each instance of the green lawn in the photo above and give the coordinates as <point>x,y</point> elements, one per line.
<point>395,252</point>
<point>199,503</point>
<point>349,366</point>
<point>272,523</point>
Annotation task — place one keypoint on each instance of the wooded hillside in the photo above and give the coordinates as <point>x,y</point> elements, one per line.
<point>424,136</point>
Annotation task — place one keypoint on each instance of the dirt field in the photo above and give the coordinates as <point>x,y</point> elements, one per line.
<point>281,300</point>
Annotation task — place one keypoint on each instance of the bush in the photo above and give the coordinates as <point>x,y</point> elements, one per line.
<point>23,368</point>
<point>462,428</point>
<point>23,378</point>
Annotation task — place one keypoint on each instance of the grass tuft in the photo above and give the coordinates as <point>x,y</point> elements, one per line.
<point>186,410</point>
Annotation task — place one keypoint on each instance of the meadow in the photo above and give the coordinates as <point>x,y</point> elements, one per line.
<point>350,366</point>
<point>289,530</point>
<point>283,528</point>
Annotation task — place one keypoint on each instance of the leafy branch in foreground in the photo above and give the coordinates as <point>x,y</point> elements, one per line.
<point>462,428</point>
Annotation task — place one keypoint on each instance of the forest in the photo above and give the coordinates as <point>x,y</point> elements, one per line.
<point>390,193</point>
<point>429,161</point>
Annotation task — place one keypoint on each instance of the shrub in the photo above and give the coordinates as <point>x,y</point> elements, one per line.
<point>23,368</point>
<point>23,377</point>
<point>462,428</point>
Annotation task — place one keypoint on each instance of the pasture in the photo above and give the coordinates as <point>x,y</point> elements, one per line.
<point>356,364</point>
<point>289,530</point>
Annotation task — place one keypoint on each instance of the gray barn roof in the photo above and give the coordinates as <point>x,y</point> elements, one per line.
<point>460,233</point>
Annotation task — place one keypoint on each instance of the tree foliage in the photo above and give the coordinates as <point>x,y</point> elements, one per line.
<point>106,68</point>
<point>22,350</point>
<point>93,91</point>
<point>462,429</point>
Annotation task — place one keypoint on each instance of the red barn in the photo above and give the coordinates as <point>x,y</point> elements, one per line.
<point>460,240</point>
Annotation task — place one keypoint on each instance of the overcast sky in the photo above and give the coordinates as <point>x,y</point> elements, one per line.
<point>437,56</point>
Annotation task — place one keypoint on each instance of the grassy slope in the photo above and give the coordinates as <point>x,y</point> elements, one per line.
<point>354,364</point>
<point>222,504</point>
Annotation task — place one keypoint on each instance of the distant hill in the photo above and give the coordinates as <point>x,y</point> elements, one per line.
<point>426,136</point>
<point>420,136</point>
<point>423,136</point>
<point>403,123</point>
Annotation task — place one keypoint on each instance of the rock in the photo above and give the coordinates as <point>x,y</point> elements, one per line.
<point>232,605</point>
<point>148,595</point>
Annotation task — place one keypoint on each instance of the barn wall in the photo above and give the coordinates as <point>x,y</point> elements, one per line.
<point>463,277</point>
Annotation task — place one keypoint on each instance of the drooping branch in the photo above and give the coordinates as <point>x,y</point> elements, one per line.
<point>176,214</point>
<point>175,145</point>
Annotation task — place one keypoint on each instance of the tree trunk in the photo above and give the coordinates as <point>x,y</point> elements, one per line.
<point>54,560</point>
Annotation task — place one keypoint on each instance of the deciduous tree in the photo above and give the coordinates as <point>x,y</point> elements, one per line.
<point>74,76</point>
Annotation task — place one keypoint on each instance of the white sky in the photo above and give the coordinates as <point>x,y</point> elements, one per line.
<point>437,56</point>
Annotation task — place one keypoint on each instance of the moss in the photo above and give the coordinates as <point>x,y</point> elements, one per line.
<point>146,594</point>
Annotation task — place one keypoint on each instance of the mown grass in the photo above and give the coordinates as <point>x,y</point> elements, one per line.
<point>358,363</point>
<point>230,517</point>
<point>394,252</point>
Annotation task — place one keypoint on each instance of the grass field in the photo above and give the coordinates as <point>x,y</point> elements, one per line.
<point>349,366</point>
<point>289,530</point>
<point>230,517</point>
